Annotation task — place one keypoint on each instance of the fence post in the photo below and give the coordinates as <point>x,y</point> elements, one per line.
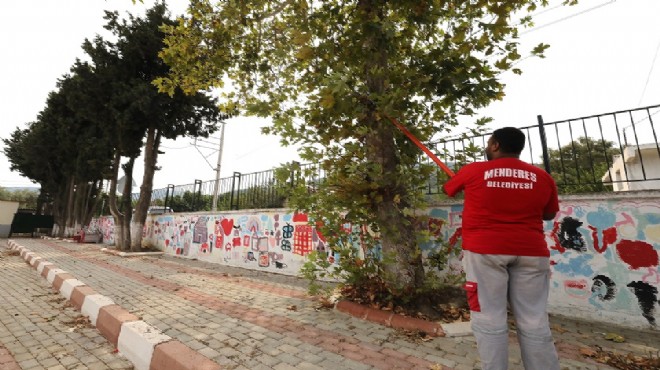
<point>544,144</point>
<point>167,196</point>
<point>197,194</point>
<point>235,190</point>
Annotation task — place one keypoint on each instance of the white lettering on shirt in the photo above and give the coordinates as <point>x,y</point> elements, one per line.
<point>510,185</point>
<point>504,174</point>
<point>510,172</point>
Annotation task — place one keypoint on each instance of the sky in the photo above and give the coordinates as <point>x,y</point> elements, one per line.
<point>603,57</point>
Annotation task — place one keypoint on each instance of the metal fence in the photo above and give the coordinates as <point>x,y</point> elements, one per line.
<point>264,189</point>
<point>615,151</point>
<point>612,151</point>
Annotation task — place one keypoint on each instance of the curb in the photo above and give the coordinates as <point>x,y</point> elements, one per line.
<point>396,321</point>
<point>130,254</point>
<point>142,344</point>
<point>390,319</point>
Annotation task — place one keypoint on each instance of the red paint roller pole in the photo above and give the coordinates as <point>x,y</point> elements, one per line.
<point>421,146</point>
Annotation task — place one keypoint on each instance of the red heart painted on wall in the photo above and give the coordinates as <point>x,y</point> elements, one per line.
<point>227,225</point>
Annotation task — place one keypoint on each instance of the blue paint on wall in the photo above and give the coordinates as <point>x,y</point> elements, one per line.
<point>439,213</point>
<point>601,219</point>
<point>576,266</point>
<point>456,207</point>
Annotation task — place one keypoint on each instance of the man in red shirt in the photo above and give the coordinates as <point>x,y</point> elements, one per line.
<point>505,256</point>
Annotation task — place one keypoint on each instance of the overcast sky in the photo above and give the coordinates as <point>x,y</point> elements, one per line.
<point>603,57</point>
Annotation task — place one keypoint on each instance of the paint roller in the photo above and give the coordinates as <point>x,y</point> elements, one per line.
<point>420,145</point>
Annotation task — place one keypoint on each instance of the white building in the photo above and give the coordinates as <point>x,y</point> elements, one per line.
<point>637,163</point>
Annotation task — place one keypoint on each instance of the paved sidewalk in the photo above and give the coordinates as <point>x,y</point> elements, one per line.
<point>240,319</point>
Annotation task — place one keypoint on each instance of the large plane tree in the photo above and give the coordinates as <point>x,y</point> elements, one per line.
<point>332,73</point>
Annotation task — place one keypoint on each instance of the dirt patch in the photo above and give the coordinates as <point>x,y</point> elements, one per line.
<point>10,253</point>
<point>77,323</point>
<point>621,361</point>
<point>445,305</point>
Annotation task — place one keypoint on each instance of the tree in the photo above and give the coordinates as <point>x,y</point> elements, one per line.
<point>95,123</point>
<point>126,69</point>
<point>578,167</point>
<point>70,175</point>
<point>332,73</point>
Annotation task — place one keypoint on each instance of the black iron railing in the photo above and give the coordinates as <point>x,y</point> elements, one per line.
<point>615,151</point>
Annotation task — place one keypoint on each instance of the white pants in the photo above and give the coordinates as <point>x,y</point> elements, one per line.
<point>523,282</point>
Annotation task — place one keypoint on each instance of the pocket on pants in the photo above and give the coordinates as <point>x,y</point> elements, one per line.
<point>472,296</point>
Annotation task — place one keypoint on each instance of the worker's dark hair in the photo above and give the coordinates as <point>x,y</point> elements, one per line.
<point>511,139</point>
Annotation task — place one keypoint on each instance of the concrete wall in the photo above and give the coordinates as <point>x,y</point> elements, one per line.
<point>7,211</point>
<point>604,249</point>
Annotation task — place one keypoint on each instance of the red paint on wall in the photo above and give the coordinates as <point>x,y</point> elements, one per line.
<point>576,288</point>
<point>609,237</point>
<point>435,226</point>
<point>577,284</point>
<point>555,238</point>
<point>227,225</point>
<point>637,253</point>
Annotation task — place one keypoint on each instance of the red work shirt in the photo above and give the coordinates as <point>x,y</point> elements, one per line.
<point>505,200</point>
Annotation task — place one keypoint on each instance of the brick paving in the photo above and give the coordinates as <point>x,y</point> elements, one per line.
<point>241,319</point>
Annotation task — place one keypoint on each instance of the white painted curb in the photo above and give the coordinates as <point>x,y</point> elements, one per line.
<point>42,265</point>
<point>67,287</point>
<point>457,329</point>
<point>93,304</point>
<point>35,261</point>
<point>52,273</point>
<point>137,341</point>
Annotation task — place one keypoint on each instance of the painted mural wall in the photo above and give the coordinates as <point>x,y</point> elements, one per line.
<point>604,250</point>
<point>277,241</point>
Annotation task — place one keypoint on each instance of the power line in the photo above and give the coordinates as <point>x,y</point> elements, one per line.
<point>567,17</point>
<point>648,77</point>
<point>167,147</point>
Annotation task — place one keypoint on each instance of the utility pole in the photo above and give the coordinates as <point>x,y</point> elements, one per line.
<point>214,207</point>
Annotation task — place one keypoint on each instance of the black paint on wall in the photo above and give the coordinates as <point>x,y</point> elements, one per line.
<point>569,236</point>
<point>647,296</point>
<point>604,281</point>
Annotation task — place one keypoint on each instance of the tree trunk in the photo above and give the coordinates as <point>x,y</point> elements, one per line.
<point>58,211</point>
<point>70,202</point>
<point>112,202</point>
<point>150,160</point>
<point>397,232</point>
<point>40,203</point>
<point>93,198</point>
<point>126,203</point>
<point>79,198</point>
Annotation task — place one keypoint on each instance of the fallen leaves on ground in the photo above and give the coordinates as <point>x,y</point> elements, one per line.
<point>620,361</point>
<point>57,300</point>
<point>78,322</point>
<point>614,337</point>
<point>292,308</point>
<point>10,253</point>
<point>414,336</point>
<point>559,329</point>
<point>451,313</point>
<point>324,304</point>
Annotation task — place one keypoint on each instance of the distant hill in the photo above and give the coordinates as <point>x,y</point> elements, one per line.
<point>19,188</point>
